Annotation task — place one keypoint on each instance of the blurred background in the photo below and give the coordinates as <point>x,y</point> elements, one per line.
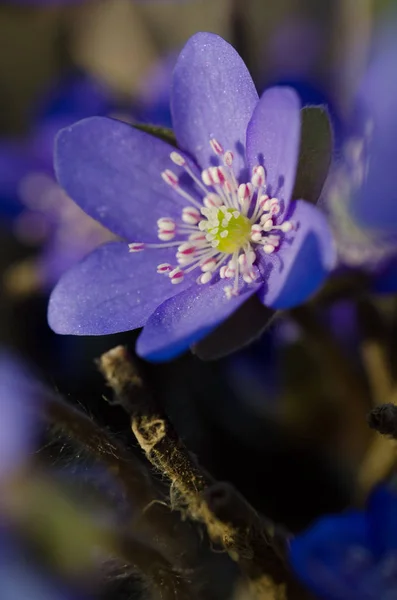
<point>269,418</point>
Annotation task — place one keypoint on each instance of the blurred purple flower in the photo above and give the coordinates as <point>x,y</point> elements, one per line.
<point>351,556</point>
<point>27,183</point>
<point>226,226</point>
<point>19,399</point>
<point>362,190</point>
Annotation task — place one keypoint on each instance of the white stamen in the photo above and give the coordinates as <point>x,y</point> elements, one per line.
<point>170,178</point>
<point>206,177</point>
<point>212,200</point>
<point>268,248</point>
<point>176,275</point>
<point>166,223</point>
<point>211,229</point>
<point>164,268</point>
<point>216,147</point>
<point>228,158</point>
<point>191,215</point>
<point>166,235</point>
<point>186,248</point>
<point>136,247</point>
<point>205,277</point>
<point>286,226</point>
<point>258,176</point>
<point>177,159</point>
<point>208,264</point>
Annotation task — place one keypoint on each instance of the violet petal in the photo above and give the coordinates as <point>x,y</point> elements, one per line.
<point>113,172</point>
<point>273,138</point>
<point>188,318</point>
<point>295,271</point>
<point>212,96</point>
<point>111,291</point>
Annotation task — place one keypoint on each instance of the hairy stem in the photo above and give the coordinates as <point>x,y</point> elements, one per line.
<point>229,520</point>
<point>150,514</point>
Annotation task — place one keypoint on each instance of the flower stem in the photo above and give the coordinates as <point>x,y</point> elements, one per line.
<point>150,514</point>
<point>228,518</point>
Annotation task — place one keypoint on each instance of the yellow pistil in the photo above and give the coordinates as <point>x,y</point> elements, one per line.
<point>233,231</point>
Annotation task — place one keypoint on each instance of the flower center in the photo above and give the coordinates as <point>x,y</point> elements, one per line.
<point>223,225</point>
<point>229,228</point>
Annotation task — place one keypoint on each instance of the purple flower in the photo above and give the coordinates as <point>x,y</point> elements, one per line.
<point>47,216</point>
<point>351,556</point>
<point>208,226</point>
<point>362,191</point>
<point>19,398</point>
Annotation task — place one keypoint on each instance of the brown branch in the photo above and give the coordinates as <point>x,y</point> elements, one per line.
<point>229,520</point>
<point>164,581</point>
<point>150,514</point>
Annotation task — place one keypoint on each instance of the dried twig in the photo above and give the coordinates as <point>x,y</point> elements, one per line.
<point>229,520</point>
<point>150,515</point>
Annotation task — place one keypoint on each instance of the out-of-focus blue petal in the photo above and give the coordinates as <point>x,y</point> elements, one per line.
<point>384,280</point>
<point>351,556</point>
<point>15,164</point>
<point>382,520</point>
<point>375,204</point>
<point>19,398</point>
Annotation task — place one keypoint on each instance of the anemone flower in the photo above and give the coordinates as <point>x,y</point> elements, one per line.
<point>206,225</point>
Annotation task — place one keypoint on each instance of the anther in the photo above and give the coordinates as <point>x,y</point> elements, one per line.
<point>166,223</point>
<point>177,159</point>
<point>206,177</point>
<point>228,158</point>
<point>222,272</point>
<point>191,215</point>
<point>186,249</point>
<point>249,276</point>
<point>268,248</point>
<point>258,176</point>
<point>204,278</point>
<point>176,275</point>
<point>263,202</point>
<point>136,247</point>
<point>286,226</point>
<point>267,224</point>
<point>170,178</point>
<point>216,147</point>
<point>208,264</point>
<point>230,292</point>
<point>245,196</point>
<point>164,268</point>
<point>166,235</point>
<point>212,199</point>
<point>197,237</point>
